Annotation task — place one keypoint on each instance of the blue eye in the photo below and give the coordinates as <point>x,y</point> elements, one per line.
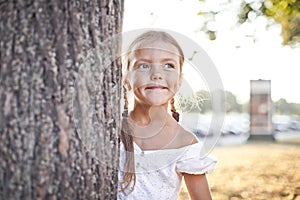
<point>169,66</point>
<point>143,66</point>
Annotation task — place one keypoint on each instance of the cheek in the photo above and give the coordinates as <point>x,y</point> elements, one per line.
<point>138,80</point>
<point>174,82</point>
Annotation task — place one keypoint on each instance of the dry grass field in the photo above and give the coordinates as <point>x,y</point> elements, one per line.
<point>254,171</point>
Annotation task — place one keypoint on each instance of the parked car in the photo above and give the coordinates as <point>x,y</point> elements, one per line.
<point>294,125</point>
<point>284,123</point>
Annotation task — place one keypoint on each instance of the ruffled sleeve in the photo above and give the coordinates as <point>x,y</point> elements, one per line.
<point>194,161</point>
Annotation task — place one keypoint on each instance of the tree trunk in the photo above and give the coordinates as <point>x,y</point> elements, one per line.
<point>60,87</point>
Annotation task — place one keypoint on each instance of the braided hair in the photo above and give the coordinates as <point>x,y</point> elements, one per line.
<point>127,139</point>
<point>175,114</point>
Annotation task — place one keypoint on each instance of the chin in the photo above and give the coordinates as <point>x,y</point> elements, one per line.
<point>158,103</point>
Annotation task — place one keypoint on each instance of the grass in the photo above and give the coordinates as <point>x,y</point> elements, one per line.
<point>255,171</point>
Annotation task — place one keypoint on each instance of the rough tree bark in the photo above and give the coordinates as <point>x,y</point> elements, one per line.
<point>59,98</point>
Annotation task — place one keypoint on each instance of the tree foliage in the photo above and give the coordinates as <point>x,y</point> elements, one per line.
<point>285,108</point>
<point>232,103</point>
<point>284,12</point>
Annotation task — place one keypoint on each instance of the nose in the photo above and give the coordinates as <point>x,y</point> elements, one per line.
<point>156,74</point>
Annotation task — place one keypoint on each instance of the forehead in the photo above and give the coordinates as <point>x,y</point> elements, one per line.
<point>155,50</point>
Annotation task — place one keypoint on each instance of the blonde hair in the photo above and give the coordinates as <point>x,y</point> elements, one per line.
<point>126,137</point>
<point>151,37</point>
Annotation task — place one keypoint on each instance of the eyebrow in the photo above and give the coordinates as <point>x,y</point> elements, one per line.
<point>150,60</point>
<point>143,60</point>
<point>169,59</point>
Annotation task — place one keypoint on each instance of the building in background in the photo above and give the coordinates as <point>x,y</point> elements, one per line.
<point>260,110</point>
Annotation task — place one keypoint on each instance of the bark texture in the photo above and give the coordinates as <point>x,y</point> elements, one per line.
<point>59,98</point>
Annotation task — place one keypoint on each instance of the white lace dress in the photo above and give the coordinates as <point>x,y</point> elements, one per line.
<point>158,172</point>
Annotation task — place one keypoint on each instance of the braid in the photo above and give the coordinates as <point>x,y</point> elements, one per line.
<point>175,114</point>
<point>127,140</point>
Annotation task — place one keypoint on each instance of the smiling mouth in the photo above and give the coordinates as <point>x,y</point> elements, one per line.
<point>156,88</point>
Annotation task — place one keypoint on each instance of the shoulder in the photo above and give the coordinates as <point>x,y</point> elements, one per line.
<point>184,137</point>
<point>180,136</point>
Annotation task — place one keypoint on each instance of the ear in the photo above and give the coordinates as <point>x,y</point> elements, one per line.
<point>127,84</point>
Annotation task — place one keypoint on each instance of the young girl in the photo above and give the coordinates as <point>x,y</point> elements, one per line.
<point>156,152</point>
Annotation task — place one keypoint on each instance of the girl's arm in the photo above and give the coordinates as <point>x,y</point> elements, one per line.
<point>197,186</point>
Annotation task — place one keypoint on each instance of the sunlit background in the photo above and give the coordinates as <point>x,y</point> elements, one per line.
<point>240,52</point>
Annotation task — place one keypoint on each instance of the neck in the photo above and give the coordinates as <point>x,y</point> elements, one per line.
<point>144,115</point>
<point>147,121</point>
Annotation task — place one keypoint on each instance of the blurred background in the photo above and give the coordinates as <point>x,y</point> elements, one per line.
<point>247,40</point>
<point>255,46</point>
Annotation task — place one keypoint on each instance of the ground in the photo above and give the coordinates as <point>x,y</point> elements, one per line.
<point>254,171</point>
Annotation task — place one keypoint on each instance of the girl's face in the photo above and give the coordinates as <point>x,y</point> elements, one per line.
<point>154,73</point>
